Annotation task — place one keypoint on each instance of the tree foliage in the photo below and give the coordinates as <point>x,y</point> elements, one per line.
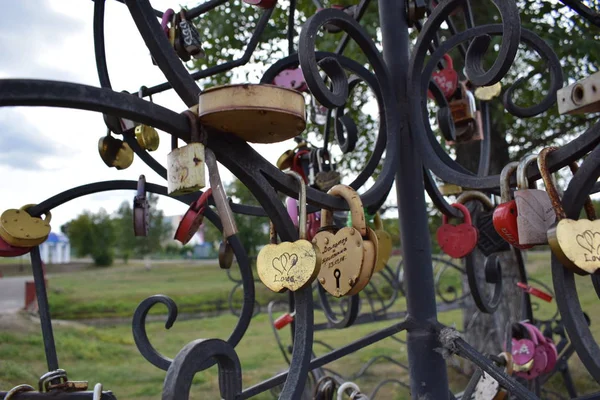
<point>93,235</point>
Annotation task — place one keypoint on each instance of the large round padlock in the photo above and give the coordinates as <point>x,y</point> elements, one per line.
<point>349,255</point>
<point>115,152</point>
<point>185,165</point>
<point>20,229</point>
<point>255,113</point>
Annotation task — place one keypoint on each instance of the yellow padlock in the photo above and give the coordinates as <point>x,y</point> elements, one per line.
<point>20,229</point>
<point>384,245</point>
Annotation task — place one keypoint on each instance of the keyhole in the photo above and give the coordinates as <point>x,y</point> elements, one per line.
<point>336,275</point>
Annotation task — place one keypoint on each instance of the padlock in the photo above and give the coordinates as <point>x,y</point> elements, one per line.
<point>141,209</point>
<point>291,78</point>
<point>384,244</point>
<point>489,240</point>
<point>284,320</point>
<point>574,242</point>
<point>446,79</point>
<point>266,4</point>
<point>20,229</point>
<point>487,388</point>
<point>457,240</point>
<point>326,176</point>
<point>535,214</point>
<point>467,119</point>
<point>6,250</point>
<point>290,265</point>
<point>581,97</point>
<point>505,215</point>
<point>225,254</point>
<point>487,93</point>
<point>177,39</point>
<point>146,136</point>
<point>115,152</point>
<point>189,37</point>
<point>257,113</point>
<point>349,254</point>
<point>192,219</point>
<point>533,353</point>
<point>449,189</point>
<point>185,165</point>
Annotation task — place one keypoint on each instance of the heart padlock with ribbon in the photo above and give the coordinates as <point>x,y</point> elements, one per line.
<point>505,215</point>
<point>575,243</point>
<point>533,353</point>
<point>192,219</point>
<point>457,240</point>
<point>446,79</point>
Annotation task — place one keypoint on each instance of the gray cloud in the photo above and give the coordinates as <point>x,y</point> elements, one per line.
<point>30,26</point>
<point>21,144</point>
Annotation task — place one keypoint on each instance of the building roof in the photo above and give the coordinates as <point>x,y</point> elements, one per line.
<point>55,237</point>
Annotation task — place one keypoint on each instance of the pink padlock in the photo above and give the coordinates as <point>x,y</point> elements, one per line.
<point>548,345</point>
<point>292,209</point>
<point>291,78</point>
<point>533,353</point>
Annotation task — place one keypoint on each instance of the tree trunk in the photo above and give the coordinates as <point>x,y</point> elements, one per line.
<point>487,332</point>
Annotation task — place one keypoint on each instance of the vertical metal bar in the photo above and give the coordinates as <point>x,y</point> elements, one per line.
<point>428,375</point>
<point>44,309</point>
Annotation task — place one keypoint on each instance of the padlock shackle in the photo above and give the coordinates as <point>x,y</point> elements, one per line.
<point>475,195</point>
<point>194,126</point>
<point>522,181</point>
<point>553,192</point>
<point>449,61</point>
<point>378,222</point>
<point>202,200</point>
<point>464,210</point>
<point>356,208</point>
<point>48,214</point>
<point>301,203</point>
<point>507,171</point>
<point>223,207</point>
<point>141,187</point>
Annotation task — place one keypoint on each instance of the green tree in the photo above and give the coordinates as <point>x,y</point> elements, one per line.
<point>93,235</point>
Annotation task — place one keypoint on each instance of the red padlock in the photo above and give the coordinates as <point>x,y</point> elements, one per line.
<point>6,250</point>
<point>291,78</point>
<point>284,320</point>
<point>535,292</point>
<point>192,219</point>
<point>446,79</point>
<point>262,3</point>
<point>505,215</point>
<point>458,240</point>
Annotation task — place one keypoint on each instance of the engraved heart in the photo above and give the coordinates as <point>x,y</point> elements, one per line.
<point>575,244</point>
<point>288,265</point>
<point>342,256</point>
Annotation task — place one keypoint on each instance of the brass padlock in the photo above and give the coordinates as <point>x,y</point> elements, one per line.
<point>185,165</point>
<point>349,255</point>
<point>449,189</point>
<point>384,244</point>
<point>581,97</point>
<point>255,113</point>
<point>115,152</point>
<point>146,135</point>
<point>467,120</point>
<point>290,265</point>
<point>574,242</point>
<point>20,229</point>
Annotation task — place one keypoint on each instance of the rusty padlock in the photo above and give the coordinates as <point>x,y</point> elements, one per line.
<point>185,165</point>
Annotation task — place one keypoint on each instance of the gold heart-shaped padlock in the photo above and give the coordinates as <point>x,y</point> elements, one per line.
<point>384,241</point>
<point>350,254</point>
<point>576,244</point>
<point>20,229</point>
<point>290,265</point>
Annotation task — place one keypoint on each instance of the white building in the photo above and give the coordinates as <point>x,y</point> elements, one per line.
<point>56,249</point>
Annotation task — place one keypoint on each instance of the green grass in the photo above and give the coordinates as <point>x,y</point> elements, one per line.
<point>107,354</point>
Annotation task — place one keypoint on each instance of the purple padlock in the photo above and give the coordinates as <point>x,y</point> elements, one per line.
<point>548,345</point>
<point>530,346</point>
<point>291,78</point>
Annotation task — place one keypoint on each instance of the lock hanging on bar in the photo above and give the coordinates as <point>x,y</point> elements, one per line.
<point>185,165</point>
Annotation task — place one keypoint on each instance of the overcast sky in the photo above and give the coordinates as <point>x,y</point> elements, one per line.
<point>44,151</point>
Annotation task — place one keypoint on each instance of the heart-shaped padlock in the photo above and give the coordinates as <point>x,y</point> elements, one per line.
<point>457,240</point>
<point>290,265</point>
<point>446,78</point>
<point>384,249</point>
<point>291,78</point>
<point>192,219</point>
<point>529,363</point>
<point>505,215</point>
<point>350,254</point>
<point>6,250</point>
<point>20,229</point>
<point>576,243</point>
<point>114,152</point>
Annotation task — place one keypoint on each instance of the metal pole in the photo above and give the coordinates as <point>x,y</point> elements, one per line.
<point>428,375</point>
